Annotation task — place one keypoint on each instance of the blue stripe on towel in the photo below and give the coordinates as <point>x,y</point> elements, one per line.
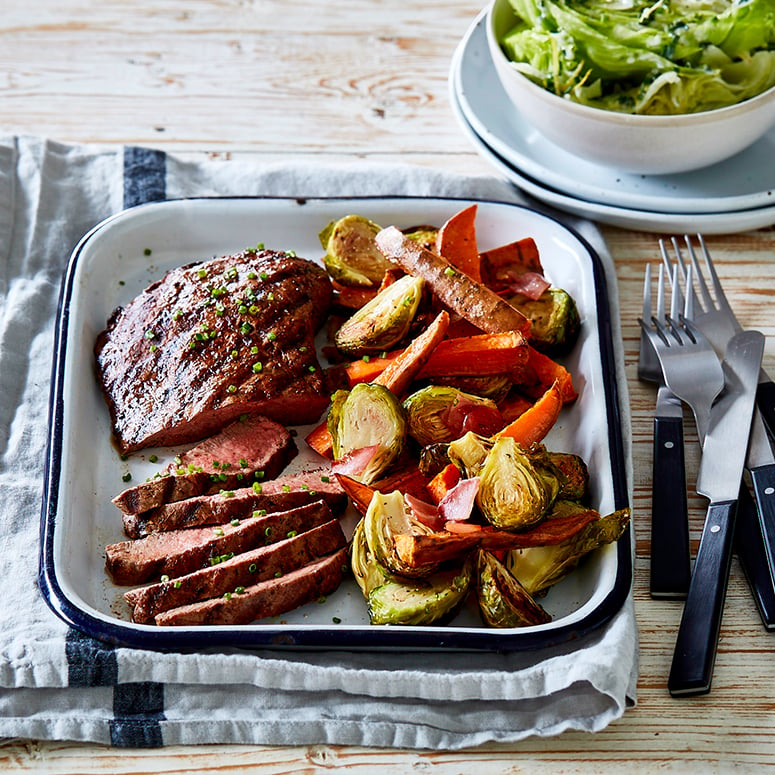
<point>89,662</point>
<point>145,176</point>
<point>138,708</point>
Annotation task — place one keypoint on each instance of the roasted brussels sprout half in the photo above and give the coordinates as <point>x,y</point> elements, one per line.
<point>513,493</point>
<point>367,571</point>
<point>433,459</point>
<point>393,599</point>
<point>554,320</point>
<point>573,474</point>
<point>432,599</point>
<point>369,415</point>
<point>387,517</point>
<point>469,453</point>
<point>352,256</point>
<point>384,321</point>
<point>438,414</point>
<point>539,567</point>
<point>565,472</point>
<point>503,601</point>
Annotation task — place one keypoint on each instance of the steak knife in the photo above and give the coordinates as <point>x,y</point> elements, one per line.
<point>721,469</point>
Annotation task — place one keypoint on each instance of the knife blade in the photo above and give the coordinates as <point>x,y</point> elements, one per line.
<point>755,544</point>
<point>670,569</point>
<point>721,468</point>
<point>755,520</point>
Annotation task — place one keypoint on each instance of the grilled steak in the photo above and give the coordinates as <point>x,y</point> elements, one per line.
<point>232,458</point>
<point>267,598</point>
<point>283,493</point>
<point>178,552</point>
<point>211,341</point>
<point>240,572</point>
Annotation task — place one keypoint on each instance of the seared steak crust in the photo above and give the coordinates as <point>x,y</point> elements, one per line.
<point>284,493</point>
<point>177,552</point>
<point>267,598</point>
<point>242,571</point>
<point>232,458</point>
<point>211,341</point>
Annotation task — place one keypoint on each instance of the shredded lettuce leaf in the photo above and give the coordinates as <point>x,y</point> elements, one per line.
<point>646,56</point>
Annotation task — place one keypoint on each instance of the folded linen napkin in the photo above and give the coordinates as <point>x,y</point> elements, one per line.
<point>57,683</point>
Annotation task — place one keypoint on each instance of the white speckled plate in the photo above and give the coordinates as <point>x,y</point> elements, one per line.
<point>744,182</point>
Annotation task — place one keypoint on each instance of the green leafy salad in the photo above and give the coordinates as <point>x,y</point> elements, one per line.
<point>646,56</point>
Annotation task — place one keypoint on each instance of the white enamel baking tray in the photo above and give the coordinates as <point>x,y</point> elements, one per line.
<point>127,252</point>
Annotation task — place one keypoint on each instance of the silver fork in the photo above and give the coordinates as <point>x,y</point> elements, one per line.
<point>716,317</point>
<point>690,366</point>
<point>755,531</point>
<point>670,566</point>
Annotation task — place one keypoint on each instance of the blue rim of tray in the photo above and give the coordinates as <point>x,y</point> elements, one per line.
<point>120,633</point>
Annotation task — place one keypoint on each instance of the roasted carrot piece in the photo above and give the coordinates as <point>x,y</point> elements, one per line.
<point>531,426</point>
<point>479,354</point>
<point>367,370</point>
<point>360,494</point>
<point>404,368</point>
<point>522,253</point>
<point>462,356</point>
<point>458,538</point>
<point>513,405</point>
<point>453,288</point>
<point>443,482</point>
<point>391,275</point>
<point>418,549</point>
<point>353,298</point>
<point>550,532</point>
<point>320,440</point>
<point>406,479</point>
<point>456,241</point>
<point>539,372</point>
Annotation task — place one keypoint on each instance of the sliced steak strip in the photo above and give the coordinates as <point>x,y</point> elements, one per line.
<point>211,341</point>
<point>241,571</point>
<point>177,552</point>
<point>282,493</point>
<point>230,459</point>
<point>267,598</point>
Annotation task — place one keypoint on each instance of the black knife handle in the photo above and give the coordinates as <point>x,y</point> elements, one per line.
<point>765,401</point>
<point>763,481</point>
<point>749,545</point>
<point>695,648</point>
<point>670,560</point>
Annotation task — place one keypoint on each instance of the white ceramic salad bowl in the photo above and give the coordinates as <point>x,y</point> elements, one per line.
<point>648,144</point>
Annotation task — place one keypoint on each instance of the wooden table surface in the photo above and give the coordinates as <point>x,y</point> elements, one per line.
<point>367,79</point>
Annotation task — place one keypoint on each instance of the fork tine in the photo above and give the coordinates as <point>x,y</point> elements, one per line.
<point>703,286</point>
<point>668,264</point>
<point>718,289</point>
<point>677,305</point>
<point>661,294</point>
<point>689,302</point>
<point>646,311</point>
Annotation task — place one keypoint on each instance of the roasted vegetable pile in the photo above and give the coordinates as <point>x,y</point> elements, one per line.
<point>450,385</point>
